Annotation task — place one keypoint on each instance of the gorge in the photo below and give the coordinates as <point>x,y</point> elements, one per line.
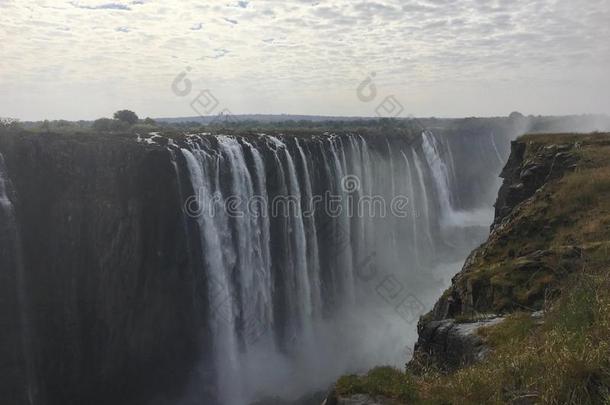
<point>226,268</point>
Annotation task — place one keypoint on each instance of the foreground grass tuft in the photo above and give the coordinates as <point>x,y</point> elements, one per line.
<point>388,382</point>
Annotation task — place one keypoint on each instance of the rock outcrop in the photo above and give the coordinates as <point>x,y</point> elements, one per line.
<point>523,176</point>
<point>451,344</point>
<point>497,277</point>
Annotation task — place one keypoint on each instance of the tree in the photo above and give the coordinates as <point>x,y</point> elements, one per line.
<point>107,124</point>
<point>102,124</point>
<point>149,121</point>
<point>6,122</point>
<point>126,116</point>
<point>516,115</point>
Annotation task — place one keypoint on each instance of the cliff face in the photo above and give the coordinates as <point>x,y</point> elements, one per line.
<point>514,269</point>
<point>107,282</point>
<point>107,279</point>
<point>106,256</point>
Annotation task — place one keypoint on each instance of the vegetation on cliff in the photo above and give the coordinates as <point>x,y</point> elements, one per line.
<point>549,252</point>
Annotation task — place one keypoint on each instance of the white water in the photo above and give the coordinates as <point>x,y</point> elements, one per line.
<point>213,230</point>
<point>313,259</point>
<point>297,269</point>
<point>440,174</point>
<point>302,285</point>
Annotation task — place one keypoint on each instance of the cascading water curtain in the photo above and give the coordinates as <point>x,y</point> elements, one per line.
<point>300,238</point>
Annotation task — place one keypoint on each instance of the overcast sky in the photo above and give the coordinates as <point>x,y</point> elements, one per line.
<point>84,59</point>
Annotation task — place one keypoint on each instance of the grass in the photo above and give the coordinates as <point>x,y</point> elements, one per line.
<point>554,256</point>
<point>566,360</point>
<point>388,382</point>
<point>514,328</point>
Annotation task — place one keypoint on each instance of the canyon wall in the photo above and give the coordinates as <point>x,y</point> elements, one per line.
<point>134,270</point>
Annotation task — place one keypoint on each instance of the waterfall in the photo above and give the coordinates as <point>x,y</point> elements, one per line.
<point>367,182</point>
<point>495,147</point>
<point>300,284</point>
<point>440,174</point>
<point>249,265</point>
<point>312,237</point>
<point>391,220</point>
<point>277,253</point>
<point>415,240</point>
<point>262,235</point>
<point>423,192</point>
<point>343,223</point>
<point>214,233</point>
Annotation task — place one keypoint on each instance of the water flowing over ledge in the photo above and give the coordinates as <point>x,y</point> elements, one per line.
<point>245,266</point>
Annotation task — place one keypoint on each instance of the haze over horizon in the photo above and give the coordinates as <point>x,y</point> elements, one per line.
<point>86,59</point>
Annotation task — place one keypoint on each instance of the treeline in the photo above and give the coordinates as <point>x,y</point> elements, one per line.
<point>127,121</point>
<point>123,121</point>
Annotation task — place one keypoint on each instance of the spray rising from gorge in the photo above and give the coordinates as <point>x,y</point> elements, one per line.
<point>318,252</point>
<point>223,269</point>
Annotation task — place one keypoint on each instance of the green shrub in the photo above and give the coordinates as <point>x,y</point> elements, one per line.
<point>385,381</point>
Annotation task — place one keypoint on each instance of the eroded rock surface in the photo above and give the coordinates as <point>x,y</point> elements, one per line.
<point>496,278</point>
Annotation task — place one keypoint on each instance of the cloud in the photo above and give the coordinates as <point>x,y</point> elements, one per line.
<point>218,53</point>
<point>270,55</point>
<point>107,6</point>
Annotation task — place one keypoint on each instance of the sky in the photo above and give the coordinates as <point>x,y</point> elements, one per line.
<point>85,59</point>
